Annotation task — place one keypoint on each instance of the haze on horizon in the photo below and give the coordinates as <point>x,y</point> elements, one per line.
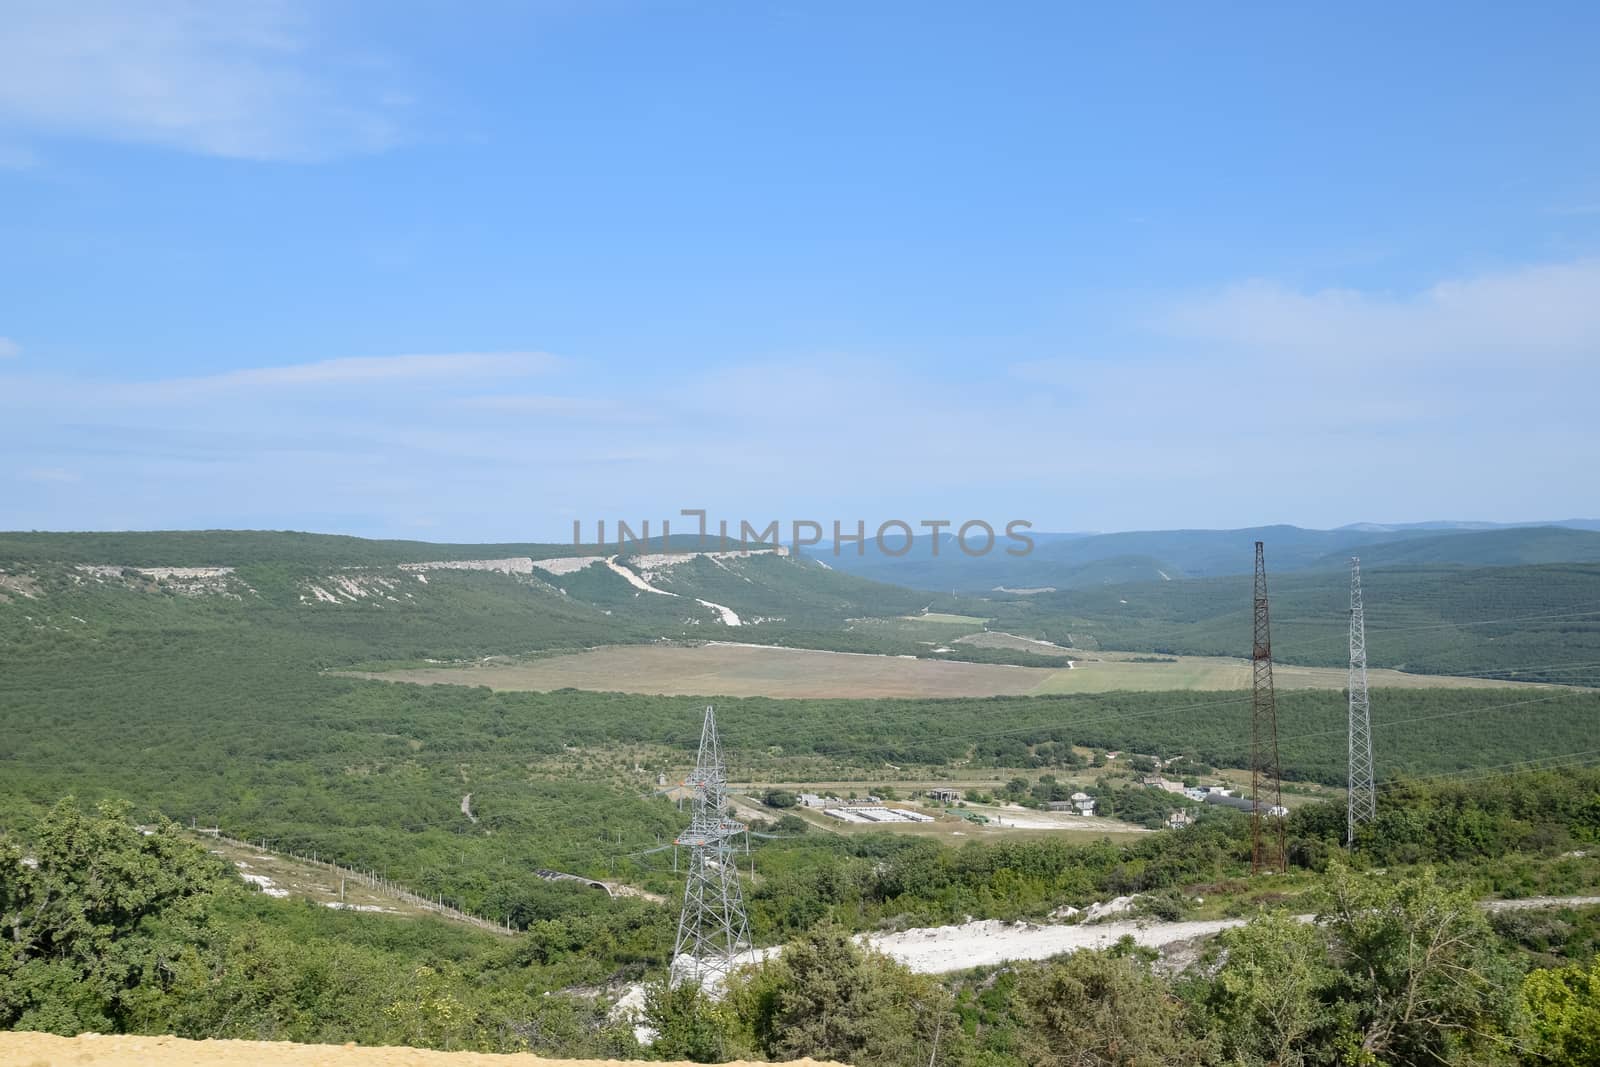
<point>409,272</point>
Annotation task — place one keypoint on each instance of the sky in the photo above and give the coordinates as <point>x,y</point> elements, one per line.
<point>476,272</point>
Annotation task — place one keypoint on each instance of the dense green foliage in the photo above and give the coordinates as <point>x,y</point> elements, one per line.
<point>132,931</point>
<point>1564,1005</point>
<point>112,929</point>
<point>824,997</point>
<point>88,909</point>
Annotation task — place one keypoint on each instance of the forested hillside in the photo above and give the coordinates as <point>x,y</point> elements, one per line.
<point>1530,623</point>
<point>237,548</point>
<point>452,602</point>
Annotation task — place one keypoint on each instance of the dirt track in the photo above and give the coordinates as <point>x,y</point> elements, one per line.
<point>90,1050</point>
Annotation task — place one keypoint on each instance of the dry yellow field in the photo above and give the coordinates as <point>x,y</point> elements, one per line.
<point>731,670</point>
<point>740,671</point>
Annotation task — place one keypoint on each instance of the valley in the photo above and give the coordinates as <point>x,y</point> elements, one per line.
<point>460,719</point>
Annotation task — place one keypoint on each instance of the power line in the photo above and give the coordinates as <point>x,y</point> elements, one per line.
<point>1444,715</point>
<point>1323,641</point>
<point>1537,763</point>
<point>1319,621</point>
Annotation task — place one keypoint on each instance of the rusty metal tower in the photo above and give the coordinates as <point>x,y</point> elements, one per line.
<point>1362,797</point>
<point>1268,847</point>
<point>712,927</point>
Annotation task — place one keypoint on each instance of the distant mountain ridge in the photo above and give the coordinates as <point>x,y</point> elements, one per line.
<point>1453,524</point>
<point>1080,561</point>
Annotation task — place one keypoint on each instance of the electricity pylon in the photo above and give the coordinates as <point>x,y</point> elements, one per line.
<point>1268,847</point>
<point>1362,800</point>
<point>713,927</point>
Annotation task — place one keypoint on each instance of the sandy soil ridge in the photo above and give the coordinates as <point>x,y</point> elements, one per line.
<point>97,1050</point>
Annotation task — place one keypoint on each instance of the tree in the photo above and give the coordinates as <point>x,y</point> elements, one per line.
<point>826,997</point>
<point>1264,1002</point>
<point>100,917</point>
<point>688,1025</point>
<point>1422,981</point>
<point>1563,1005</point>
<point>1093,1009</point>
<point>790,824</point>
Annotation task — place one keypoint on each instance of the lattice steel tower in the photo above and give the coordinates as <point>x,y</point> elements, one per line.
<point>1268,848</point>
<point>713,927</point>
<point>1363,794</point>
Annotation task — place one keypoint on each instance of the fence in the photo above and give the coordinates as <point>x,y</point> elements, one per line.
<point>373,880</point>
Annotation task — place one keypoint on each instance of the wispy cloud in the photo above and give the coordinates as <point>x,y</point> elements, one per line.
<point>365,370</point>
<point>15,157</point>
<point>250,81</point>
<point>9,349</point>
<point>1549,311</point>
<point>324,380</point>
<point>48,475</point>
<point>550,404</point>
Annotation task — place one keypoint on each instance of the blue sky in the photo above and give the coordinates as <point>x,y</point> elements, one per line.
<point>471,272</point>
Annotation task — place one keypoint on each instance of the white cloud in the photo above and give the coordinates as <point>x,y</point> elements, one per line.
<point>1471,396</point>
<point>360,370</point>
<point>249,81</point>
<point>15,157</point>
<point>9,348</point>
<point>543,404</point>
<point>50,474</point>
<point>1551,312</point>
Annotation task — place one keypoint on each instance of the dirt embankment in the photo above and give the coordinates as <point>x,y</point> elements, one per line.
<point>94,1050</point>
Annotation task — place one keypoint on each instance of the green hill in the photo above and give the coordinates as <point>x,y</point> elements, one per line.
<point>237,548</point>
<point>1538,623</point>
<point>1489,548</point>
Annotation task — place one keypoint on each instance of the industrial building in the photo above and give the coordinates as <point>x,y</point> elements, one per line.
<point>1244,804</point>
<point>875,814</point>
